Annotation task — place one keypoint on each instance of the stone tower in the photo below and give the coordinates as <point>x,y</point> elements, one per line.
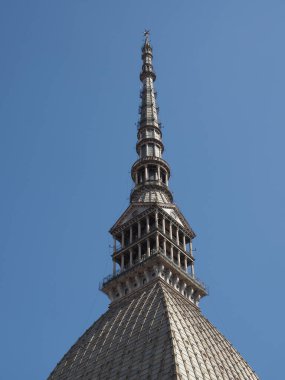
<point>154,328</point>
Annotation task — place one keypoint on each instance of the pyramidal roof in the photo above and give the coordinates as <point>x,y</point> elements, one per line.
<point>153,333</point>
<point>154,328</point>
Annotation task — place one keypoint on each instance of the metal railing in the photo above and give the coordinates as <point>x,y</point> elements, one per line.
<point>144,257</point>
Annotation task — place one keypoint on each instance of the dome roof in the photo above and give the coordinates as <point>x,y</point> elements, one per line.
<point>153,333</point>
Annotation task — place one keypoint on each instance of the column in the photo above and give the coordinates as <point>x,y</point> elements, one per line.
<point>178,259</point>
<point>115,244</point>
<point>171,252</point>
<point>156,219</point>
<point>136,178</point>
<point>157,241</point>
<point>170,230</point>
<point>184,243</point>
<point>185,263</point>
<point>123,239</point>
<point>191,248</point>
<point>158,172</point>
<point>166,179</point>
<point>146,173</point>
<point>148,247</point>
<point>177,236</point>
<point>131,257</point>
<point>164,246</point>
<point>114,267</point>
<point>192,270</point>
<point>163,224</point>
<point>122,263</point>
<point>147,224</point>
<point>131,234</point>
<point>140,251</point>
<point>139,230</point>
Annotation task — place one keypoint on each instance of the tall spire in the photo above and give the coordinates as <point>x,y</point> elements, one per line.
<point>153,328</point>
<point>150,172</point>
<point>152,237</point>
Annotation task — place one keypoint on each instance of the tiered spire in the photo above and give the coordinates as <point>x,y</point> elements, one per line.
<point>152,239</point>
<point>150,172</point>
<point>153,328</point>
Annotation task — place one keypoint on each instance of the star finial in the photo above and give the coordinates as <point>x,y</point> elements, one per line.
<point>146,34</point>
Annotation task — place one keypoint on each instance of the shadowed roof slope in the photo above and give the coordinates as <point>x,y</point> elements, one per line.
<point>153,333</point>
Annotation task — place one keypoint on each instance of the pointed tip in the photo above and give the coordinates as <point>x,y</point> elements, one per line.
<point>146,35</point>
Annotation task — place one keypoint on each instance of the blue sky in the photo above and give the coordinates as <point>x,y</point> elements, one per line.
<point>69,98</point>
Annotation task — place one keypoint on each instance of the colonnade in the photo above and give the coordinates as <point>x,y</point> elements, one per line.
<point>151,172</point>
<point>168,240</point>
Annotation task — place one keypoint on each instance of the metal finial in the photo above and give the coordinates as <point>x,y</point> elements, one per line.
<point>146,34</point>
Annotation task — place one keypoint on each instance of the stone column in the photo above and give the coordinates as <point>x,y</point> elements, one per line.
<point>131,257</point>
<point>146,173</point>
<point>185,263</point>
<point>184,242</point>
<point>115,244</point>
<point>157,241</point>
<point>166,179</point>
<point>191,248</point>
<point>131,234</point>
<point>136,178</point>
<point>177,235</point>
<point>164,246</point>
<point>140,251</point>
<point>171,252</point>
<point>147,224</point>
<point>192,270</point>
<point>178,259</point>
<point>156,219</point>
<point>139,230</point>
<point>148,247</point>
<point>170,230</point>
<point>163,224</point>
<point>158,171</point>
<point>123,239</point>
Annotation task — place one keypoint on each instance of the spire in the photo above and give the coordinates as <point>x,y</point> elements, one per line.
<point>150,172</point>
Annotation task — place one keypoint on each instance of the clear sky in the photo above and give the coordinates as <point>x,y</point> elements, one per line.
<point>69,97</point>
